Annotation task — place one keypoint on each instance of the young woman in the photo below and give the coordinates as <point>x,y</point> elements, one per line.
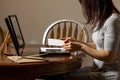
<point>105,48</point>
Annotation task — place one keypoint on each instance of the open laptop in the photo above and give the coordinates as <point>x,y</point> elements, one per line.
<point>17,36</point>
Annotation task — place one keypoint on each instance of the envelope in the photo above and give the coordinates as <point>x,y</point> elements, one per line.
<point>55,42</point>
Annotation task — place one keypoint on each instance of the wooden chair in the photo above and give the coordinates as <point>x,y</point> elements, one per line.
<point>4,45</point>
<point>66,28</point>
<point>1,36</point>
<point>2,42</point>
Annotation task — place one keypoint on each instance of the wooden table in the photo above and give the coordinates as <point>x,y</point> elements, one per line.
<point>10,70</point>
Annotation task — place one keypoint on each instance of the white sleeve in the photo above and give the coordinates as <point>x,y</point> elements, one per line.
<point>112,35</point>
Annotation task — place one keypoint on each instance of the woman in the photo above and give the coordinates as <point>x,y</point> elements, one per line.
<point>105,48</point>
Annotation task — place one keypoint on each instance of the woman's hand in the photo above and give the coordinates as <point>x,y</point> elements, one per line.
<point>71,45</point>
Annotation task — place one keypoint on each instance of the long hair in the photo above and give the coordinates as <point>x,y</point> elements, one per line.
<point>97,11</point>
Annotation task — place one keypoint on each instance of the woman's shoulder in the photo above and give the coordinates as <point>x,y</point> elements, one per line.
<point>112,23</point>
<point>114,19</point>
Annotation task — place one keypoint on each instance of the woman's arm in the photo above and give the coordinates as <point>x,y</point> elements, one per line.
<point>90,49</point>
<point>91,44</point>
<point>102,55</point>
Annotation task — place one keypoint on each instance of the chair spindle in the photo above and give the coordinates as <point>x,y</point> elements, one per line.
<point>87,34</point>
<point>52,33</point>
<point>58,31</point>
<point>81,35</point>
<point>70,30</point>
<point>64,30</point>
<point>76,32</point>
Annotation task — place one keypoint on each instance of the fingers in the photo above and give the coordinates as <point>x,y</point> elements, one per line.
<point>66,40</point>
<point>68,46</point>
<point>69,39</point>
<point>72,46</point>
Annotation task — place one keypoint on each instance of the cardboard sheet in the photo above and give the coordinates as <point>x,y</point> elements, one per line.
<point>26,59</point>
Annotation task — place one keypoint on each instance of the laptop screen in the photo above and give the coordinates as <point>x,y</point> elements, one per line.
<point>16,34</point>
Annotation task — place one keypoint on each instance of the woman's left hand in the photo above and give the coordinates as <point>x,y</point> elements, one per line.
<point>71,45</point>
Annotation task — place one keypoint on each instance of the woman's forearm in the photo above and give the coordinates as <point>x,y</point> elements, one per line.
<point>91,44</point>
<point>98,54</point>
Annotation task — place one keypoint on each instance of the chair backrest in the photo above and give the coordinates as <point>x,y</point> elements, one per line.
<point>66,28</point>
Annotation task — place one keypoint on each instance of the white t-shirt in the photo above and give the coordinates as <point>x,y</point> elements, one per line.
<point>108,38</point>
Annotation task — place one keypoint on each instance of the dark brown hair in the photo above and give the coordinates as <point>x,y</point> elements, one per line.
<point>97,11</point>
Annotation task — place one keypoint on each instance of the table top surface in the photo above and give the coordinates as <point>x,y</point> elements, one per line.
<point>48,60</point>
<point>54,65</point>
<point>34,50</point>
